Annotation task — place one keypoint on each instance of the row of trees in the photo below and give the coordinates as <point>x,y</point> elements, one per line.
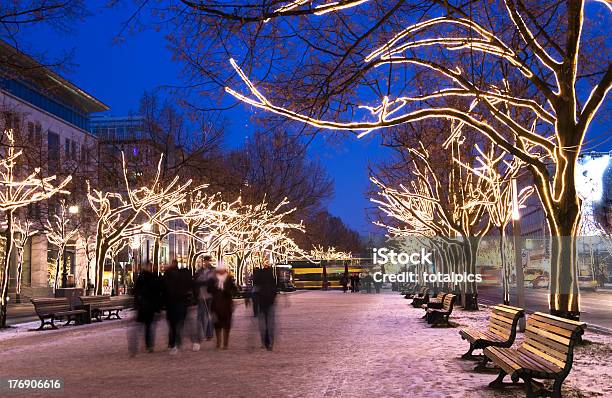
<point>242,235</point>
<point>449,197</point>
<point>527,77</point>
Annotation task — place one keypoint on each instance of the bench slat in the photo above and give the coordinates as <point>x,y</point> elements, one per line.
<point>557,321</point>
<point>551,344</point>
<point>546,334</point>
<point>544,355</point>
<point>551,328</point>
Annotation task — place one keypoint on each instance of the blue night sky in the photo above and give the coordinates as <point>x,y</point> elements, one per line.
<point>119,73</point>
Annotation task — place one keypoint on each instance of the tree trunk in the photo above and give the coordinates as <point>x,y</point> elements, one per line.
<point>470,296</point>
<point>563,216</point>
<point>113,285</point>
<point>19,275</point>
<point>505,279</point>
<point>6,266</point>
<point>156,254</point>
<point>191,254</point>
<point>564,295</point>
<point>58,264</point>
<point>101,250</point>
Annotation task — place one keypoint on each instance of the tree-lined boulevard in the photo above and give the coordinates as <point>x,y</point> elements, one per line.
<point>208,204</point>
<point>330,344</point>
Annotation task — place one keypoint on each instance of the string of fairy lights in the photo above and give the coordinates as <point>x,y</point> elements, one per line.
<point>242,236</point>
<point>493,112</point>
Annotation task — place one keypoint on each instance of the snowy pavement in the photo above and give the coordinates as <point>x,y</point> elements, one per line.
<point>329,344</point>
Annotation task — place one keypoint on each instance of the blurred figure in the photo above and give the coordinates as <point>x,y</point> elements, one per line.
<point>177,287</point>
<point>147,302</point>
<point>222,288</point>
<point>368,283</point>
<point>377,286</point>
<point>266,288</point>
<point>344,282</point>
<point>204,324</point>
<point>254,294</point>
<point>357,282</point>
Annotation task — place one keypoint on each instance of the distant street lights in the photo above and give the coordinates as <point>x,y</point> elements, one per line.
<point>73,210</point>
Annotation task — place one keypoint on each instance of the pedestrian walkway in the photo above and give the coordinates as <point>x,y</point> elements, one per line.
<point>329,344</point>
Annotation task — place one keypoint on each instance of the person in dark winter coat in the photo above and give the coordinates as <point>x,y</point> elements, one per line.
<point>266,289</point>
<point>222,289</point>
<point>204,327</point>
<point>178,287</point>
<point>147,302</point>
<point>344,282</point>
<point>254,296</point>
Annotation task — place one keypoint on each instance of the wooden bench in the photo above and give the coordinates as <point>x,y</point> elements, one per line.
<point>51,309</point>
<point>437,316</point>
<point>435,302</point>
<point>501,331</point>
<point>410,291</point>
<point>421,298</point>
<point>99,305</point>
<point>546,353</point>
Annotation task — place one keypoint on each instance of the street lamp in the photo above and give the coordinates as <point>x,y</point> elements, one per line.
<point>72,210</point>
<point>518,253</point>
<point>146,227</point>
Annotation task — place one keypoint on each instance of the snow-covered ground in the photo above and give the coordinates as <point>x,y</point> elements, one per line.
<point>329,345</point>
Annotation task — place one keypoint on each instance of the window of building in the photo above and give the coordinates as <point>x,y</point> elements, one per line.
<point>38,133</point>
<point>30,132</point>
<point>73,150</point>
<point>53,151</point>
<point>84,154</point>
<point>67,148</point>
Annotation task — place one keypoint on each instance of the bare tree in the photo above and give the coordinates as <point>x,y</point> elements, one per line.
<point>17,191</point>
<point>118,214</point>
<point>508,65</point>
<point>60,232</point>
<point>23,232</point>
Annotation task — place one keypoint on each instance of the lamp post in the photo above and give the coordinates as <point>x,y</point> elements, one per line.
<point>324,274</point>
<point>147,227</point>
<point>73,210</point>
<point>518,258</point>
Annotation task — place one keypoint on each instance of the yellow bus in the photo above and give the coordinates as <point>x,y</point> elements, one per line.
<point>308,275</point>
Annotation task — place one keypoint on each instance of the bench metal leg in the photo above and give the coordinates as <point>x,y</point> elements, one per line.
<point>499,381</point>
<point>483,364</point>
<point>556,392</point>
<point>529,389</point>
<point>542,391</point>
<point>43,323</point>
<point>468,354</point>
<point>113,313</point>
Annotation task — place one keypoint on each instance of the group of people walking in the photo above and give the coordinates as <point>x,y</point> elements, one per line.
<point>211,290</point>
<point>354,282</point>
<point>350,281</point>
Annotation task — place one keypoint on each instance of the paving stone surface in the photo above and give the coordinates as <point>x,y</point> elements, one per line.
<point>329,344</point>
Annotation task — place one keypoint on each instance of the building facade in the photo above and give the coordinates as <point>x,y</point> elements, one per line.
<point>50,118</point>
<point>142,145</point>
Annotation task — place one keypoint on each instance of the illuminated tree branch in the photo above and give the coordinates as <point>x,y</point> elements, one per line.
<point>16,192</point>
